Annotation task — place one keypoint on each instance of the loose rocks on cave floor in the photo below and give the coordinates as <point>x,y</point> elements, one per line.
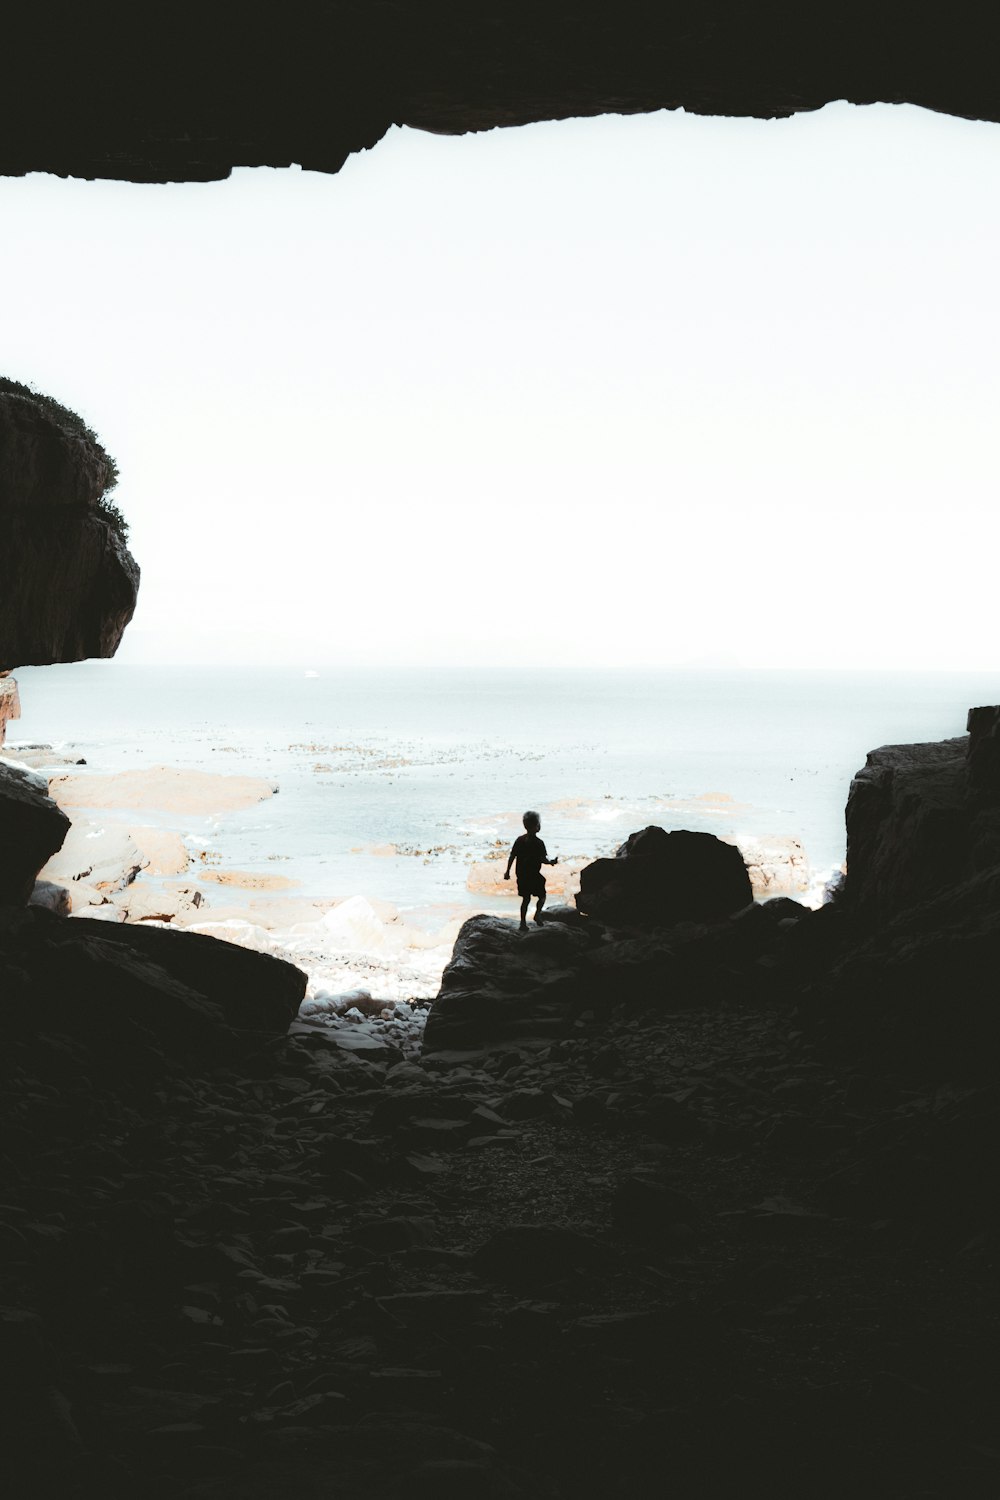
<point>658,1253</point>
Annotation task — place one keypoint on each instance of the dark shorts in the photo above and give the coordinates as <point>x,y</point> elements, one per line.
<point>532,884</point>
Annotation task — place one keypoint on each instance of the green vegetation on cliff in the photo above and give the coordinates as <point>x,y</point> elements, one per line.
<point>71,422</point>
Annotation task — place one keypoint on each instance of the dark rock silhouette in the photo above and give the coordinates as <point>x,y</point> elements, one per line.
<point>922,819</point>
<point>211,96</point>
<point>502,984</point>
<point>255,992</point>
<point>983,754</point>
<point>189,996</point>
<point>32,828</point>
<point>69,583</point>
<point>503,987</point>
<point>912,994</point>
<point>658,879</point>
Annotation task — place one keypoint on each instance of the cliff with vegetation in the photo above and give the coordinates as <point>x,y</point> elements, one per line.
<point>68,583</point>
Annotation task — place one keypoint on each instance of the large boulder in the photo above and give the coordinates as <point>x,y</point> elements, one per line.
<point>254,992</point>
<point>503,985</point>
<point>68,583</point>
<point>32,828</point>
<point>657,879</point>
<point>130,989</point>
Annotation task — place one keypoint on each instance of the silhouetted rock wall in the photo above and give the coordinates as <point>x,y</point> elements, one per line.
<point>922,819</point>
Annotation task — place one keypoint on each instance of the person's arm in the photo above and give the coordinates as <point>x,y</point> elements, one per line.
<point>545,856</point>
<point>510,858</point>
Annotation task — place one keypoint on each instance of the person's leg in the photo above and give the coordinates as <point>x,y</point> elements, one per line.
<point>538,908</point>
<point>524,911</point>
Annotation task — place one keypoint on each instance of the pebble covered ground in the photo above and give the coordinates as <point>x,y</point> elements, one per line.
<point>651,1257</point>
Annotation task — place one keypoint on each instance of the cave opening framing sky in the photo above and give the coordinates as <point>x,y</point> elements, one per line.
<point>648,391</point>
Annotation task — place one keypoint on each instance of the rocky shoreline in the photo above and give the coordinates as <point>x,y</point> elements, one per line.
<point>696,1197</point>
<point>370,970</point>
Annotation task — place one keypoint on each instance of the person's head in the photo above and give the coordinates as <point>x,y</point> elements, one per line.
<point>532,822</point>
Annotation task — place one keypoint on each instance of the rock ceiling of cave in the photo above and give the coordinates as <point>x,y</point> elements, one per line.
<point>188,93</point>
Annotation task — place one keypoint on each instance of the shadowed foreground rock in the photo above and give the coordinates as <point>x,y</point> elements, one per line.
<point>506,987</point>
<point>503,984</point>
<point>922,819</point>
<point>131,989</point>
<point>255,992</point>
<point>32,828</point>
<point>657,879</point>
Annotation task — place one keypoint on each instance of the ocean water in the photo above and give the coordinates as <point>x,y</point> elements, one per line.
<point>392,782</point>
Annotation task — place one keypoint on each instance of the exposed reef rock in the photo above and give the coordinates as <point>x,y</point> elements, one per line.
<point>10,704</point>
<point>485,877</point>
<point>68,583</point>
<point>164,789</point>
<point>32,828</point>
<point>335,74</point>
<point>922,819</point>
<point>777,866</point>
<point>657,879</point>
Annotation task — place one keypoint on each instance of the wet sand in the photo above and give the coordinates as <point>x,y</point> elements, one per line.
<point>163,789</point>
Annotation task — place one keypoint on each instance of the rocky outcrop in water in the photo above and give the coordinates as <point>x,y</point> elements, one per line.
<point>32,828</point>
<point>777,866</point>
<point>68,583</point>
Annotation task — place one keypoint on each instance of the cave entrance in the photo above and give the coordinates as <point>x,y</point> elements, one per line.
<point>611,413</point>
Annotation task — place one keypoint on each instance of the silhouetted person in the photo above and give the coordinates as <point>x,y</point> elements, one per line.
<point>528,852</point>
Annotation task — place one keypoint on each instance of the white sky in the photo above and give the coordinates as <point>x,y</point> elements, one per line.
<point>645,391</point>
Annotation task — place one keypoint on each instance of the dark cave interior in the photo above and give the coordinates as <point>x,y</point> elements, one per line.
<point>685,1193</point>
